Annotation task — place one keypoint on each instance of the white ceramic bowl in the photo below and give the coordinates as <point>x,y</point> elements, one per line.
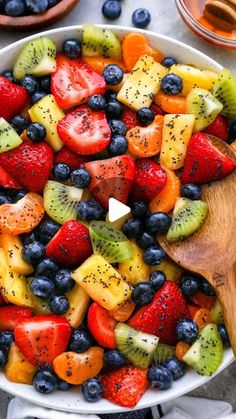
<point>72,401</point>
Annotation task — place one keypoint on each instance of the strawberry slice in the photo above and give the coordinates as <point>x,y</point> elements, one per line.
<point>42,338</point>
<point>149,181</point>
<point>205,163</point>
<point>85,131</point>
<point>129,117</point>
<point>7,181</point>
<point>219,128</point>
<point>102,326</point>
<point>11,315</point>
<point>13,98</point>
<point>111,178</point>
<point>74,81</point>
<point>203,300</point>
<point>69,157</point>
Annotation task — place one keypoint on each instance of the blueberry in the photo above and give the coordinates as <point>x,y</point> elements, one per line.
<point>142,293</point>
<point>113,74</point>
<point>61,171</point>
<point>47,267</point>
<point>29,238</point>
<point>114,109</point>
<point>92,390</point>
<point>141,18</point>
<point>6,338</point>
<point>80,340</point>
<point>154,255</point>
<point>171,84</point>
<point>139,209</point>
<point>19,194</point>
<point>110,95</point>
<point>36,132</point>
<point>146,240</point>
<point>114,358</point>
<point>111,9</point>
<point>206,287</point>
<point>52,3</point>
<point>118,146</point>
<point>47,231</point>
<point>189,285</point>
<point>191,191</point>
<point>63,280</point>
<point>42,287</point>
<point>33,252</point>
<point>132,228</point>
<point>9,75</point>
<point>224,335</point>
<point>160,377</point>
<point>4,199</point>
<point>97,102</point>
<point>168,62</point>
<point>45,381</point>
<point>145,116</point>
<point>176,367</point>
<point>72,48</point>
<point>59,304</point>
<point>45,84</point>
<point>232,129</point>
<point>187,331</point>
<point>157,222</point>
<point>157,279</point>
<point>37,96</point>
<point>19,123</point>
<point>15,8</point>
<point>80,178</point>
<point>30,83</point>
<point>63,385</point>
<point>90,210</point>
<point>37,6</point>
<point>3,357</point>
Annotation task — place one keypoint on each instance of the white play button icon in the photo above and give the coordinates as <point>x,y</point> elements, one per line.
<point>117,210</point>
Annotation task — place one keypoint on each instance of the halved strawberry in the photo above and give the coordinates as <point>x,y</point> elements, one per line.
<point>11,315</point>
<point>102,326</point>
<point>7,181</point>
<point>74,81</point>
<point>85,131</point>
<point>219,128</point>
<point>149,180</point>
<point>129,117</point>
<point>13,98</point>
<point>69,157</point>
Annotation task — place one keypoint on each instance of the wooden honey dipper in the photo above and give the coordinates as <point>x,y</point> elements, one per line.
<point>221,13</point>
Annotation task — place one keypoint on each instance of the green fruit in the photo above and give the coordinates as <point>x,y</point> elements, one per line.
<point>162,353</point>
<point>188,217</point>
<point>204,106</point>
<point>216,313</point>
<point>109,242</point>
<point>100,42</point>
<point>225,91</point>
<point>37,57</point>
<point>136,346</point>
<point>9,138</point>
<point>206,354</point>
<point>61,201</point>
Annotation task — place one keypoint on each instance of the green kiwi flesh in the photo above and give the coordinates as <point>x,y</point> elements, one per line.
<point>204,106</point>
<point>225,91</point>
<point>216,313</point>
<point>100,42</point>
<point>162,353</point>
<point>9,138</point>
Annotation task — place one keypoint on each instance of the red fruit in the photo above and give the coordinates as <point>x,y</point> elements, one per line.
<point>7,181</point>
<point>30,164</point>
<point>149,180</point>
<point>11,315</point>
<point>129,118</point>
<point>2,302</point>
<point>102,326</point>
<point>125,386</point>
<point>42,338</point>
<point>219,128</point>
<point>111,178</point>
<point>13,98</point>
<point>157,110</point>
<point>161,315</point>
<point>69,157</point>
<point>74,81</point>
<point>71,245</point>
<point>85,131</point>
<point>203,300</point>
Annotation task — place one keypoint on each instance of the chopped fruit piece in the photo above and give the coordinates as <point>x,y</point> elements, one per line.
<point>202,317</point>
<point>9,138</point>
<point>203,300</point>
<point>13,100</point>
<point>124,312</point>
<point>177,132</point>
<point>219,128</point>
<point>100,42</point>
<point>129,117</point>
<point>13,247</point>
<point>172,271</point>
<point>102,326</point>
<point>233,145</point>
<point>171,103</point>
<point>193,77</point>
<point>180,350</point>
<point>224,90</point>
<point>102,282</point>
<point>69,157</point>
<point>134,270</point>
<point>166,199</point>
<point>18,369</point>
<point>7,181</point>
<point>162,353</point>
<point>79,301</point>
<point>10,315</point>
<point>146,141</point>
<point>100,63</point>
<point>192,310</point>
<point>149,180</point>
<point>126,386</point>
<point>216,313</point>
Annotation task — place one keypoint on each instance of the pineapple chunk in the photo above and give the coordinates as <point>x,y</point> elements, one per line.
<point>47,112</point>
<point>193,77</point>
<point>13,247</point>
<point>177,132</point>
<point>135,270</point>
<point>102,282</point>
<point>79,301</point>
<point>18,369</point>
<point>172,271</point>
<point>143,83</point>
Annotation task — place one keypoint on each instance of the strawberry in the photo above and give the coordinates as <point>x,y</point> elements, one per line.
<point>69,157</point>
<point>111,178</point>
<point>161,315</point>
<point>102,326</point>
<point>149,181</point>
<point>71,245</point>
<point>2,303</point>
<point>7,181</point>
<point>85,131</point>
<point>30,164</point>
<point>13,98</point>
<point>130,119</point>
<point>74,81</point>
<point>203,300</point>
<point>11,315</point>
<point>125,386</point>
<point>42,338</point>
<point>219,128</point>
<point>157,110</point>
<point>205,163</point>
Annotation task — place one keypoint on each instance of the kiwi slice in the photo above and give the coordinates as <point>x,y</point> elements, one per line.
<point>216,313</point>
<point>61,201</point>
<point>204,106</point>
<point>188,217</point>
<point>9,138</point>
<point>109,242</point>
<point>162,353</point>
<point>136,346</point>
<point>37,57</point>
<point>225,91</point>
<point>100,42</point>
<point>206,354</point>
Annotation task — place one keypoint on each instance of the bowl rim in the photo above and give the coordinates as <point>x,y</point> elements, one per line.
<point>57,400</point>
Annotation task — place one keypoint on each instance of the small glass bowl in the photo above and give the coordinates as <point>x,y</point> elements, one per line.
<point>197,24</point>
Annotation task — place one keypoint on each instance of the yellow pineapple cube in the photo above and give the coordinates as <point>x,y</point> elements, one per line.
<point>18,369</point>
<point>79,301</point>
<point>172,271</point>
<point>194,77</point>
<point>135,270</point>
<point>12,246</point>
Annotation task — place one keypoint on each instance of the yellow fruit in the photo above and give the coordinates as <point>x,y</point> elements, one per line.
<point>12,246</point>
<point>135,270</point>
<point>102,282</point>
<point>17,369</point>
<point>193,77</point>
<point>79,301</point>
<point>117,87</point>
<point>172,271</point>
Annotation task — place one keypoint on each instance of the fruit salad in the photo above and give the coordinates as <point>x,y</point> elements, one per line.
<point>86,301</point>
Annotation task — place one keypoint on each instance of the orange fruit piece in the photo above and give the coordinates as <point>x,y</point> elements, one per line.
<point>180,350</point>
<point>75,368</point>
<point>99,63</point>
<point>166,199</point>
<point>202,317</point>
<point>146,141</point>
<point>134,45</point>
<point>171,104</point>
<point>233,145</point>
<point>23,216</point>
<point>124,312</point>
<point>192,310</point>
<point>202,300</point>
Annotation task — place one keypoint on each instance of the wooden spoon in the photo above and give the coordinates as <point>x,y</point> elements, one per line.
<point>211,252</point>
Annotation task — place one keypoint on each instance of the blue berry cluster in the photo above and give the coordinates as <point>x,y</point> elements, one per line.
<point>16,8</point>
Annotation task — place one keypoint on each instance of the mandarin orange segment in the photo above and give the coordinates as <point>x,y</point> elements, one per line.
<point>180,350</point>
<point>166,199</point>
<point>99,63</point>
<point>134,45</point>
<point>146,141</point>
<point>202,317</point>
<point>124,312</point>
<point>170,104</point>
<point>23,216</point>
